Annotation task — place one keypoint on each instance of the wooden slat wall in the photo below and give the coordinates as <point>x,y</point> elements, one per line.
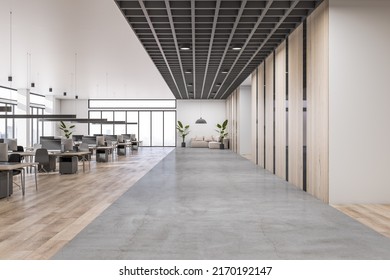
<point>237,121</point>
<point>317,102</point>
<point>280,111</point>
<point>254,113</point>
<point>260,118</point>
<point>295,107</point>
<point>269,113</point>
<point>232,120</point>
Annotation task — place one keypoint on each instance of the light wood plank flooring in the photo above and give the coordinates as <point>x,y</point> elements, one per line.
<point>375,216</point>
<point>37,225</point>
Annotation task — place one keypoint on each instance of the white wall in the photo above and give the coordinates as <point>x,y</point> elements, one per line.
<point>188,111</point>
<point>359,100</point>
<point>79,107</point>
<point>111,62</point>
<point>245,120</point>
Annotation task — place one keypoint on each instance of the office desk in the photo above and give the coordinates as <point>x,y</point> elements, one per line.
<point>83,155</point>
<point>8,167</point>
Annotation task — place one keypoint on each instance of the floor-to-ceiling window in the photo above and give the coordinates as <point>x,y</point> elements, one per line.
<point>37,107</point>
<point>7,99</point>
<point>152,121</point>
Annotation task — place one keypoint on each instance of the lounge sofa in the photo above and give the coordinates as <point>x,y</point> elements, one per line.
<point>211,142</point>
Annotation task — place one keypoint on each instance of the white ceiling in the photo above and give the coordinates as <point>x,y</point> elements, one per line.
<point>110,63</point>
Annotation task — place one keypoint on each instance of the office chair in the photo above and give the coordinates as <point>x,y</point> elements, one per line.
<point>42,158</point>
<point>3,152</point>
<point>20,149</point>
<point>16,172</point>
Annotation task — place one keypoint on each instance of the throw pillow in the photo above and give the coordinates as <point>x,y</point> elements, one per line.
<point>216,138</point>
<point>199,138</point>
<point>208,139</point>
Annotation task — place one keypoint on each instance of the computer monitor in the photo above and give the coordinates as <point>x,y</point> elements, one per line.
<point>51,144</point>
<point>126,136</point>
<point>1,140</point>
<point>12,144</point>
<point>132,137</point>
<point>120,139</point>
<point>100,141</point>
<point>90,140</point>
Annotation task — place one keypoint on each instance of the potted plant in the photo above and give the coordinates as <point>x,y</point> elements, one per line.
<point>67,130</point>
<point>183,131</point>
<point>222,133</point>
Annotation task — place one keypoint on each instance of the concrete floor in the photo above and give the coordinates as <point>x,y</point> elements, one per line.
<point>214,204</point>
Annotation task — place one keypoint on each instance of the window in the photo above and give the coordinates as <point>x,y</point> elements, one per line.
<point>144,128</point>
<point>152,127</point>
<point>157,128</point>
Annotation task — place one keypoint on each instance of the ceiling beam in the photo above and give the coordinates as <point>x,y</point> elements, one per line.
<point>193,48</point>
<point>168,7</point>
<point>142,5</point>
<point>232,32</point>
<point>218,4</point>
<point>261,46</point>
<point>254,29</point>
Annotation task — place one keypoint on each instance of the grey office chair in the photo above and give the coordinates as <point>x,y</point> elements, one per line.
<point>3,152</point>
<point>16,172</point>
<point>84,147</point>
<point>42,158</point>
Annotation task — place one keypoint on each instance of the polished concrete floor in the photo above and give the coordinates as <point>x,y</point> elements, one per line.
<point>214,204</point>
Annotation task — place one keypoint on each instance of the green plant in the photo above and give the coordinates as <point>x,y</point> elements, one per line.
<point>67,130</point>
<point>222,130</point>
<point>183,130</point>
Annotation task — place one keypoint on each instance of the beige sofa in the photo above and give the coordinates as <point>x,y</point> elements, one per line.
<point>207,142</point>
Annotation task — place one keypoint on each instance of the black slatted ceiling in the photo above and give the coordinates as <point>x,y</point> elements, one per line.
<point>211,29</point>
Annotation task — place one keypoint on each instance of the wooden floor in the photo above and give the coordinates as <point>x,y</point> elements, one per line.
<point>37,225</point>
<point>375,216</point>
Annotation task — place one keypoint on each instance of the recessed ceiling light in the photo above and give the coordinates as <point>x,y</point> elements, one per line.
<point>189,84</point>
<point>188,71</point>
<point>236,47</point>
<point>185,47</point>
<point>218,85</point>
<point>225,71</point>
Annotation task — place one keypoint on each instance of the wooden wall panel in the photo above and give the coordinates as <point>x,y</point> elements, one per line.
<point>280,111</point>
<point>260,116</point>
<point>237,126</point>
<point>232,120</point>
<point>318,103</point>
<point>254,112</point>
<point>295,107</point>
<point>269,113</point>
